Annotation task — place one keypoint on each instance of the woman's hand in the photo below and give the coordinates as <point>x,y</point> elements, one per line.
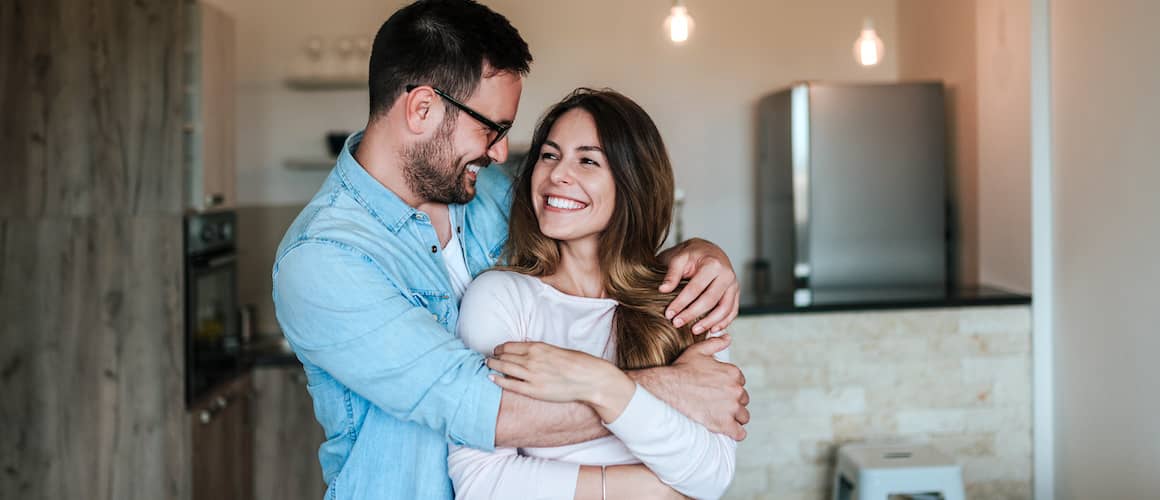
<point>549,373</point>
<point>711,297</point>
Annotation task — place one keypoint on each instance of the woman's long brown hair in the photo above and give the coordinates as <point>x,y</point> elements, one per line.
<point>639,225</point>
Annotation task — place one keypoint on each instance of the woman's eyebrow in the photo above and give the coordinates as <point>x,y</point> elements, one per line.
<point>549,142</point>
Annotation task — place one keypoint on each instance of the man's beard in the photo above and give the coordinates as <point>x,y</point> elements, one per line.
<point>430,170</point>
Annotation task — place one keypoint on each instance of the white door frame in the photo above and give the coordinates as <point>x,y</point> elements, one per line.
<point>1042,262</point>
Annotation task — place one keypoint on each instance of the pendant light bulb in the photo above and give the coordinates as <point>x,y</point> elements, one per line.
<point>868,48</point>
<point>679,24</point>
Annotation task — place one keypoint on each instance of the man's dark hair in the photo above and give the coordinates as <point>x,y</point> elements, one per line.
<point>442,43</point>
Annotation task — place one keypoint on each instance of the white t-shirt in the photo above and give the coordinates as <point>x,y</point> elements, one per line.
<point>502,306</point>
<point>455,262</point>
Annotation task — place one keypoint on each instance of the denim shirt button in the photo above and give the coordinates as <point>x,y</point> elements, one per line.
<point>434,249</point>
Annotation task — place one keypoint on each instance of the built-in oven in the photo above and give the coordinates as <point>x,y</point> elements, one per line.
<point>213,350</point>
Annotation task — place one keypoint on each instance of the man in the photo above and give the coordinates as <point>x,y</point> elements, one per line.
<point>367,279</point>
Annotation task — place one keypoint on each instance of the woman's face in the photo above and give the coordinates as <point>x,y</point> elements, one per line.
<point>572,187</point>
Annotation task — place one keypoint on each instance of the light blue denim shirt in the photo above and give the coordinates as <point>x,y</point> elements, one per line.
<point>364,298</point>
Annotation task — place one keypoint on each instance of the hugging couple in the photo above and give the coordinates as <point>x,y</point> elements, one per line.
<point>584,363</point>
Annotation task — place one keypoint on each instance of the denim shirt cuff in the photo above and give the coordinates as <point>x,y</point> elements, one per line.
<point>474,426</point>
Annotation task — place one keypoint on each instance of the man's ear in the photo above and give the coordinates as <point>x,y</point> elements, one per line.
<point>420,112</point>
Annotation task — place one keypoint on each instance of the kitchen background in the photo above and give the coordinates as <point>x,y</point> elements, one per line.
<point>741,51</point>
<point>92,349</point>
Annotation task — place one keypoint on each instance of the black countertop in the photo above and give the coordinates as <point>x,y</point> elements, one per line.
<point>271,350</point>
<point>868,299</point>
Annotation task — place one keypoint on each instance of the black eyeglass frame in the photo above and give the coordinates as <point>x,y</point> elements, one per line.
<point>499,129</point>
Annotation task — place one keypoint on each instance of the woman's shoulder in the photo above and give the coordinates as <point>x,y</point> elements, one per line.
<point>494,310</point>
<point>508,288</point>
<point>496,280</point>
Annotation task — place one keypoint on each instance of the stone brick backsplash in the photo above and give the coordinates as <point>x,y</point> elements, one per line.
<point>957,379</point>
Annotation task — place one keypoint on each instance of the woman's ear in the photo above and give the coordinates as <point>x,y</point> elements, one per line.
<point>420,112</point>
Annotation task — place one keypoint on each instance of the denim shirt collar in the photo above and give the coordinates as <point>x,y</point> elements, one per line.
<point>382,203</point>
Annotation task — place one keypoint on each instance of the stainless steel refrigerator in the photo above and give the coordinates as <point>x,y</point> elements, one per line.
<point>852,188</point>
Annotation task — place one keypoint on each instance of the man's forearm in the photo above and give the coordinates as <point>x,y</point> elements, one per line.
<point>653,381</point>
<point>525,422</point>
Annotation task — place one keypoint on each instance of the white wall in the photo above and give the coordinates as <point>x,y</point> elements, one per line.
<point>275,123</point>
<point>937,42</point>
<point>1106,113</point>
<point>701,95</point>
<point>981,50</point>
<point>1003,48</point>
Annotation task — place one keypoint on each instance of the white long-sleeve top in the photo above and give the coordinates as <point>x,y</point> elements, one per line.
<point>503,306</point>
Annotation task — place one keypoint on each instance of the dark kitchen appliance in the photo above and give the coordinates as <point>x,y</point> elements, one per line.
<point>213,344</point>
<point>852,188</point>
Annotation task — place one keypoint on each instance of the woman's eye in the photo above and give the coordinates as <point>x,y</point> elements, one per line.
<point>547,156</point>
<point>589,161</point>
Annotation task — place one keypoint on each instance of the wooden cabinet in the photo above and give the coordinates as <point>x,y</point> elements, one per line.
<point>209,130</point>
<point>222,443</point>
<point>286,436</point>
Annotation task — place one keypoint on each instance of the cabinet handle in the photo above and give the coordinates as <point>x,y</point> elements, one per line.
<point>219,403</point>
<point>215,199</point>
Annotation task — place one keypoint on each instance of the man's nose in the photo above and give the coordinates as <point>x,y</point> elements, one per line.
<point>498,152</point>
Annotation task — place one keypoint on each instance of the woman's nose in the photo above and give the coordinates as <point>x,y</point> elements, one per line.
<point>561,173</point>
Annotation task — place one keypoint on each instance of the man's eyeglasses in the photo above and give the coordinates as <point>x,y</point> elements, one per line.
<point>499,130</point>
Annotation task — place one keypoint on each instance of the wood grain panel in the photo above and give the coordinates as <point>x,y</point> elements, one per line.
<point>222,464</point>
<point>286,437</point>
<point>92,107</point>
<point>91,191</point>
<point>216,114</point>
<point>92,348</point>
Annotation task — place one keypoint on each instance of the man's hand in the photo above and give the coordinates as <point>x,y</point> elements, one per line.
<point>712,293</point>
<point>704,389</point>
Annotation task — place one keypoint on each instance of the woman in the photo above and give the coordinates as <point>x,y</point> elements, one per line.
<point>591,208</point>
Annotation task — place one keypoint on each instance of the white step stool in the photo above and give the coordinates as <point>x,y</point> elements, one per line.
<point>867,472</point>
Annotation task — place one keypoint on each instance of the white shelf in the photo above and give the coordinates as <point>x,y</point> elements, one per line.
<point>316,164</point>
<point>326,83</point>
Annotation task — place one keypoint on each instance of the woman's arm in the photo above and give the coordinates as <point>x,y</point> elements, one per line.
<point>622,481</point>
<point>682,453</point>
<point>506,474</point>
<point>490,314</point>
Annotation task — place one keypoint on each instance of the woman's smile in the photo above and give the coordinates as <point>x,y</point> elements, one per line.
<point>560,203</point>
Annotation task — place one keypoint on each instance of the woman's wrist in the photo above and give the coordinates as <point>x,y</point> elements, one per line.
<point>611,393</point>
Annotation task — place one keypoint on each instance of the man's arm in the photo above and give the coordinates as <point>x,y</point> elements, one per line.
<point>707,391</point>
<point>697,385</point>
<point>345,315</point>
<point>530,423</point>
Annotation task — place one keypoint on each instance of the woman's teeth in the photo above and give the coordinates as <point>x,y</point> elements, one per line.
<point>473,169</point>
<point>564,203</point>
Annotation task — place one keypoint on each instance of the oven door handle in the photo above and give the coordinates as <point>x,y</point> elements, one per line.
<point>221,260</point>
